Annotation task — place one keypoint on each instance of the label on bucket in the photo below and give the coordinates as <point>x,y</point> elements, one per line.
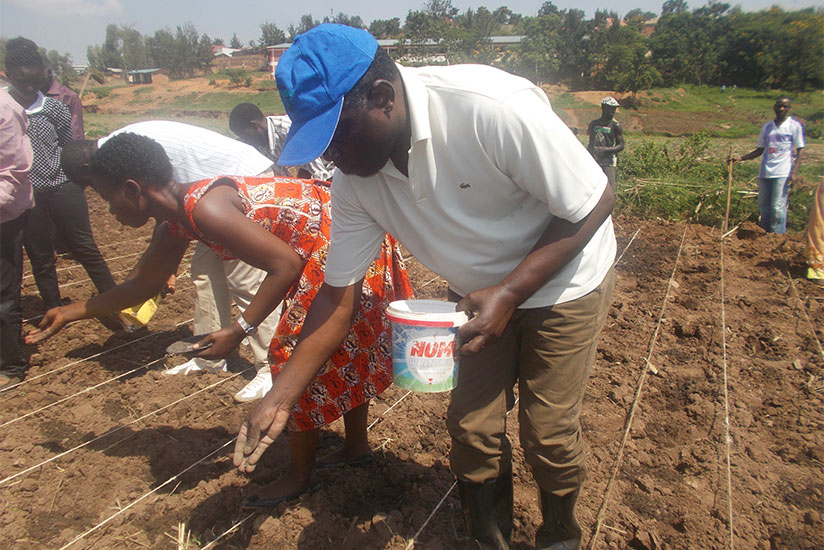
<point>430,359</point>
<point>423,344</point>
<point>423,358</point>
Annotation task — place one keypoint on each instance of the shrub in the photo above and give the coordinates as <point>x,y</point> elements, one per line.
<point>101,92</point>
<point>238,78</point>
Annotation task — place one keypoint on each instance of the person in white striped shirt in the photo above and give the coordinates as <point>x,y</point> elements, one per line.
<point>196,154</point>
<point>267,134</point>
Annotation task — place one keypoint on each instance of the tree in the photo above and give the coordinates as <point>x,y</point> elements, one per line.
<point>133,49</point>
<point>637,17</point>
<point>270,35</point>
<point>235,42</point>
<point>673,6</point>
<point>440,9</point>
<point>503,15</point>
<point>107,54</point>
<point>539,50</point>
<point>348,20</point>
<point>385,28</point>
<point>218,42</point>
<point>628,67</point>
<point>306,23</point>
<point>61,65</point>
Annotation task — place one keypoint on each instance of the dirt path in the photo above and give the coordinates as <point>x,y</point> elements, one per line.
<point>119,465</point>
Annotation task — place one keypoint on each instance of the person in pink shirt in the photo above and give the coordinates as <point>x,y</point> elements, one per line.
<point>16,198</point>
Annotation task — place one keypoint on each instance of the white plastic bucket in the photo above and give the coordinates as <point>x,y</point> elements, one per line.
<point>424,336</point>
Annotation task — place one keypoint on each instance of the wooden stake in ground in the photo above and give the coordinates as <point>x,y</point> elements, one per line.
<point>729,190</point>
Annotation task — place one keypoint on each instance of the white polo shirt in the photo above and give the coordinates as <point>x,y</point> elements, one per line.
<point>490,165</point>
<point>197,153</point>
<point>778,143</point>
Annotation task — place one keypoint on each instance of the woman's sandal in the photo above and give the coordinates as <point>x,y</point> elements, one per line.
<point>256,502</point>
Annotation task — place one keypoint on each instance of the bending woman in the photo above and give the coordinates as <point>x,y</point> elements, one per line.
<point>281,226</point>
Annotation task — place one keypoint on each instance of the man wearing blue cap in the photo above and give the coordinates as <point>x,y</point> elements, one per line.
<point>472,171</point>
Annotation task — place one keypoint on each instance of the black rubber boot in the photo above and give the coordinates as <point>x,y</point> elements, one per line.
<point>487,510</point>
<point>560,530</point>
<point>503,504</point>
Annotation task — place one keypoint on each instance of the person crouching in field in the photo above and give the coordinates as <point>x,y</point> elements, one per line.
<point>279,225</point>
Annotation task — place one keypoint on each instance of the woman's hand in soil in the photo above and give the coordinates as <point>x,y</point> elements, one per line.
<point>224,342</point>
<point>489,310</point>
<point>53,321</point>
<point>260,429</point>
<point>170,286</point>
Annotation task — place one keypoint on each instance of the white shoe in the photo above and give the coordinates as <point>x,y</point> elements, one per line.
<point>257,388</point>
<point>196,365</point>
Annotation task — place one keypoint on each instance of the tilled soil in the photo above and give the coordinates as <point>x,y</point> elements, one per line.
<point>100,450</point>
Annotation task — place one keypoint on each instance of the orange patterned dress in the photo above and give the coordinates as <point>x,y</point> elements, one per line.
<point>298,212</point>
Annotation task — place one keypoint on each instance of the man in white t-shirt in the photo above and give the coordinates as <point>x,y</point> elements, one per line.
<point>470,169</point>
<point>777,140</point>
<point>197,153</point>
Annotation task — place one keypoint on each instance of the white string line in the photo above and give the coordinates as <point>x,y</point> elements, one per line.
<point>639,389</point>
<point>181,289</point>
<point>76,266</point>
<point>804,311</point>
<point>726,399</point>
<point>105,246</point>
<point>81,281</point>
<point>627,247</point>
<point>156,489</point>
<point>412,541</point>
<point>229,531</point>
<point>236,525</point>
<point>81,392</point>
<point>369,427</point>
<point>431,514</point>
<point>115,430</point>
<point>98,354</point>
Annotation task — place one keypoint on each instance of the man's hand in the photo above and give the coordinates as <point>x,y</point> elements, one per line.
<point>223,341</point>
<point>490,310</point>
<point>260,429</point>
<point>53,321</point>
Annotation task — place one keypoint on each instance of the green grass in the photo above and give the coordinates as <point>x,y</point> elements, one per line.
<point>568,101</point>
<point>269,102</point>
<point>685,179</point>
<point>228,74</point>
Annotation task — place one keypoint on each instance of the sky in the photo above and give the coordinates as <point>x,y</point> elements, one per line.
<point>70,26</point>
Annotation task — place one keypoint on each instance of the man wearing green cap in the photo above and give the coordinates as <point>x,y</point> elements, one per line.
<point>472,171</point>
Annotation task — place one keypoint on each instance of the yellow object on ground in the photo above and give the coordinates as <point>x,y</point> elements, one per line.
<point>141,313</point>
<point>814,252</point>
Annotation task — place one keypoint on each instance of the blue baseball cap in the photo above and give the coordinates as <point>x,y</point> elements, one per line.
<point>313,76</point>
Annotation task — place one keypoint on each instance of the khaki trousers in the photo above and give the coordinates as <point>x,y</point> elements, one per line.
<point>549,353</point>
<point>217,284</point>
